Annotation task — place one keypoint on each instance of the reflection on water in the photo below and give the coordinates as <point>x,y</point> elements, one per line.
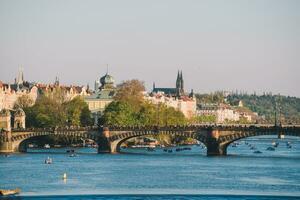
<point>138,171</point>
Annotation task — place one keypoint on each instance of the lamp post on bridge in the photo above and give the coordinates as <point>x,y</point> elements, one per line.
<point>280,110</point>
<point>278,107</point>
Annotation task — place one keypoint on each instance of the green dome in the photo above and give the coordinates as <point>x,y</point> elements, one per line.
<point>107,79</point>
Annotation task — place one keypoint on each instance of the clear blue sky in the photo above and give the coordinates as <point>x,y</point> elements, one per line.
<point>250,45</point>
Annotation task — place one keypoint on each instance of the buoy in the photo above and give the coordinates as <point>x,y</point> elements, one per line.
<point>65,176</point>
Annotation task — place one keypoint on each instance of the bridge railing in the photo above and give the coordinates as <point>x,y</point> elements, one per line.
<point>221,127</point>
<point>52,129</point>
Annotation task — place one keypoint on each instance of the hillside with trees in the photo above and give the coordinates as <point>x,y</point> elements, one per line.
<point>264,105</point>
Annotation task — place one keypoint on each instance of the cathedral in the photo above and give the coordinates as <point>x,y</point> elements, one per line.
<point>174,97</point>
<point>174,92</point>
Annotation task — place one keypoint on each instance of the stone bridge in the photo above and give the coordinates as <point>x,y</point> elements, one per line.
<point>215,137</point>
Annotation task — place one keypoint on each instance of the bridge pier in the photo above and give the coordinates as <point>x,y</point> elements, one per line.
<point>214,147</point>
<point>105,145</point>
<point>6,145</point>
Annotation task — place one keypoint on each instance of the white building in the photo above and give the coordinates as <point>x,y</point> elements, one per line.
<point>223,112</point>
<point>187,105</point>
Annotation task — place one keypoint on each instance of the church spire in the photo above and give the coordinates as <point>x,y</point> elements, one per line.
<point>181,83</point>
<point>178,82</point>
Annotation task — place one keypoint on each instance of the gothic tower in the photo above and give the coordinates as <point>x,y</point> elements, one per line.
<point>181,84</point>
<point>178,82</point>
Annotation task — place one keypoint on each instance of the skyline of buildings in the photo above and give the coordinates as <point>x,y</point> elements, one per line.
<point>105,89</point>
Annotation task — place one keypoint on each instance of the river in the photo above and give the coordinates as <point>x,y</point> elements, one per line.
<point>142,174</point>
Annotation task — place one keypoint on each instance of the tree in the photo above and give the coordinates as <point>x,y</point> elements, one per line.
<point>77,112</point>
<point>119,113</point>
<point>23,102</point>
<point>148,114</point>
<point>57,94</point>
<point>45,113</point>
<point>131,92</point>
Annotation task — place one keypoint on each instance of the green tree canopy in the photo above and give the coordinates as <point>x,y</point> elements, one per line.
<point>50,112</point>
<point>131,92</point>
<point>23,102</point>
<point>77,112</point>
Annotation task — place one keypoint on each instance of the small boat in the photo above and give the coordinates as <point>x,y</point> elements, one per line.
<point>270,149</point>
<point>48,161</point>
<point>257,151</point>
<point>253,148</point>
<point>275,144</point>
<point>150,149</point>
<point>170,151</point>
<point>47,146</point>
<point>9,192</point>
<point>165,150</point>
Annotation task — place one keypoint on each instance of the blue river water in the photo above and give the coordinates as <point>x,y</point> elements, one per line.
<point>142,174</point>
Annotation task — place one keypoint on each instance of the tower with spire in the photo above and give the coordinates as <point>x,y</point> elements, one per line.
<point>179,84</point>
<point>178,91</point>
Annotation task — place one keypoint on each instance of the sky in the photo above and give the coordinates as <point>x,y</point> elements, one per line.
<point>244,45</point>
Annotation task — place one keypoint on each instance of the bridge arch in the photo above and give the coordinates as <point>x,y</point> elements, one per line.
<point>118,139</point>
<point>19,141</point>
<point>225,141</point>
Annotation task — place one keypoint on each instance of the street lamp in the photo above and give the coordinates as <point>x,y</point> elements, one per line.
<point>275,111</point>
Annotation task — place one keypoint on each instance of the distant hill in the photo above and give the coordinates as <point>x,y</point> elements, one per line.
<point>262,104</point>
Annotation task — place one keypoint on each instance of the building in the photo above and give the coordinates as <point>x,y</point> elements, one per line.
<point>226,113</point>
<point>102,96</point>
<point>9,93</point>
<point>67,93</point>
<point>174,97</point>
<point>12,118</point>
<point>174,92</point>
<point>222,112</point>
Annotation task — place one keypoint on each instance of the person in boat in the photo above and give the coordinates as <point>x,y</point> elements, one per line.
<point>48,161</point>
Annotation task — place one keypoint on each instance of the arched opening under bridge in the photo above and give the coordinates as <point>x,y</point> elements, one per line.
<point>161,144</point>
<point>57,144</point>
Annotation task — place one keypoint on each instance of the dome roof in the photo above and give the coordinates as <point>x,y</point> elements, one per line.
<point>107,79</point>
<point>19,112</point>
<point>4,112</point>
